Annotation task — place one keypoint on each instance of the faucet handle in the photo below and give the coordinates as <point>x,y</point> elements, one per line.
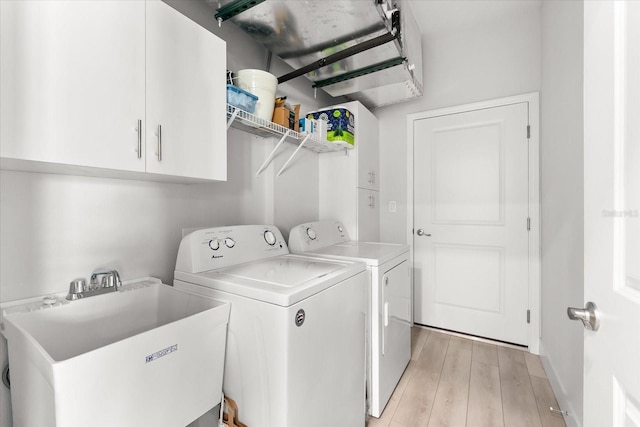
<point>76,289</point>
<point>107,281</point>
<point>93,281</point>
<point>78,286</point>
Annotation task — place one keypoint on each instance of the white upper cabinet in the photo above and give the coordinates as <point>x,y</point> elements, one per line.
<point>78,77</point>
<point>186,97</point>
<point>72,82</point>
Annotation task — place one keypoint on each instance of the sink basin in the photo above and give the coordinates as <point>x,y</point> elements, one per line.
<point>147,355</point>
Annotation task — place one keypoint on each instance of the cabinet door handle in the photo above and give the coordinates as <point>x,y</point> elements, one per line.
<point>370,178</point>
<point>373,177</point>
<point>372,201</point>
<point>139,138</point>
<point>159,143</point>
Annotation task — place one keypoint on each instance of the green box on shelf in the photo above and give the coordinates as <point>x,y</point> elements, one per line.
<point>340,123</point>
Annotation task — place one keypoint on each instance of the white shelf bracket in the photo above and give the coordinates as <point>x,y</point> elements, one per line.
<point>293,155</point>
<point>233,117</point>
<point>273,153</point>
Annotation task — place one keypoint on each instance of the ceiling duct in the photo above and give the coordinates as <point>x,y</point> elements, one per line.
<point>365,50</point>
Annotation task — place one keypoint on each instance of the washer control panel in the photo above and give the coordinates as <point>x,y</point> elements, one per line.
<point>219,247</point>
<point>317,235</point>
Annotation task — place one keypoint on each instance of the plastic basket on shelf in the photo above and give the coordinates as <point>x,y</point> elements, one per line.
<point>241,99</point>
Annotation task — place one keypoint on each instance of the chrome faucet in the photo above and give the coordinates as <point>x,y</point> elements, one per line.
<point>110,283</point>
<point>110,278</point>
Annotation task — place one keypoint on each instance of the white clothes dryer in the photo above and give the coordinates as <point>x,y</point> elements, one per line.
<point>389,300</point>
<point>296,334</point>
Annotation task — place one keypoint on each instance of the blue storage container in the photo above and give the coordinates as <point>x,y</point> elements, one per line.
<point>241,99</point>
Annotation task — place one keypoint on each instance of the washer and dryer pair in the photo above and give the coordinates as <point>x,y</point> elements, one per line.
<point>304,330</point>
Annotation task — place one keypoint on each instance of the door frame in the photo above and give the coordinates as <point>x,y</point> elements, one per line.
<point>534,195</point>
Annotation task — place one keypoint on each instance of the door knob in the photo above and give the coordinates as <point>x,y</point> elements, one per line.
<point>588,315</point>
<point>421,232</point>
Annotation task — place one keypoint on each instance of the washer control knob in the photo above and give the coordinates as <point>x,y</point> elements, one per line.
<point>269,237</point>
<point>311,233</point>
<point>229,242</point>
<point>214,244</point>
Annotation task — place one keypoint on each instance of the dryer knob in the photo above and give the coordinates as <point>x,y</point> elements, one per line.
<point>311,233</point>
<point>214,244</point>
<point>269,237</point>
<point>229,242</point>
<point>340,229</point>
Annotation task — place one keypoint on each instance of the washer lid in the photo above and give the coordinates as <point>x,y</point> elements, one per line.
<point>374,254</point>
<point>284,271</point>
<point>282,280</point>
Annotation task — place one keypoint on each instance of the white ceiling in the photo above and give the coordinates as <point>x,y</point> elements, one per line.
<point>438,16</point>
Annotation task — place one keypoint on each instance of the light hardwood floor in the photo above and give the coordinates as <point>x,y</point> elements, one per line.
<point>458,382</point>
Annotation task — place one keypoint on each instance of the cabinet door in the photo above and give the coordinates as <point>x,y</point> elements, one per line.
<point>72,82</point>
<point>368,149</point>
<point>337,193</point>
<point>368,216</point>
<point>186,96</point>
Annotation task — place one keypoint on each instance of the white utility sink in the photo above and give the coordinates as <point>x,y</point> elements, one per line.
<point>147,355</point>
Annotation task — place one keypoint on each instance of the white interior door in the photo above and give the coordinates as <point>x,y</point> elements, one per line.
<point>612,219</point>
<point>470,201</point>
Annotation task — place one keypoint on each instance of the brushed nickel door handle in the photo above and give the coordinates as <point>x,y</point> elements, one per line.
<point>588,315</point>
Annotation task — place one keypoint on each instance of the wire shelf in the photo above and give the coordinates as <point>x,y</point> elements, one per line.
<point>247,122</point>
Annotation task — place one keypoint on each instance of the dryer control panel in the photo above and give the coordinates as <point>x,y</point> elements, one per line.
<point>219,247</point>
<point>316,235</point>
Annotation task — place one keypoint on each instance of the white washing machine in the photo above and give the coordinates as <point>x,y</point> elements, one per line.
<point>296,334</point>
<point>389,300</point>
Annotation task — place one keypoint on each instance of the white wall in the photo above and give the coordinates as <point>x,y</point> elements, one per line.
<point>562,200</point>
<point>54,228</point>
<point>57,227</point>
<point>497,59</point>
